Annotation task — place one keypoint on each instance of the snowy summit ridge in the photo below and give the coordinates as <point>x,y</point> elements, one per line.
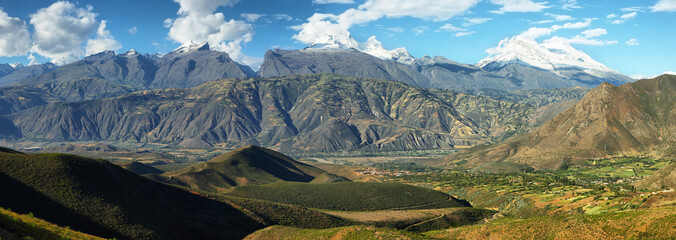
<point>192,46</point>
<point>371,46</point>
<point>552,56</point>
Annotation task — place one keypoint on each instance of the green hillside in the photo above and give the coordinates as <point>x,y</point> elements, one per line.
<point>26,226</point>
<point>100,198</point>
<point>249,165</point>
<point>350,196</point>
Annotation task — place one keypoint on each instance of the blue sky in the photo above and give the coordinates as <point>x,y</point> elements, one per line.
<point>633,37</point>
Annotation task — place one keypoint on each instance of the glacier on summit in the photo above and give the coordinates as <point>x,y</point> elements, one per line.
<point>371,46</point>
<point>556,56</point>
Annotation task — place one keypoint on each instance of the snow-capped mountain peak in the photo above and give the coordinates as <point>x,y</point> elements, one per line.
<point>16,65</point>
<point>551,55</point>
<point>371,46</point>
<point>132,52</point>
<point>192,46</point>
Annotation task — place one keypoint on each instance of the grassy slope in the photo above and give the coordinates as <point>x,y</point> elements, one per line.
<point>345,233</point>
<point>350,196</point>
<point>25,226</point>
<point>100,198</point>
<point>249,165</point>
<point>656,223</point>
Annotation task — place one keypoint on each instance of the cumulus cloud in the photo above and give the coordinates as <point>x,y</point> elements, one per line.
<point>632,42</point>
<point>625,17</point>
<point>15,39</point>
<point>519,6</point>
<point>61,29</point>
<point>332,1</point>
<point>611,16</point>
<point>664,6</point>
<point>202,6</point>
<point>322,27</point>
<point>197,21</point>
<point>104,41</point>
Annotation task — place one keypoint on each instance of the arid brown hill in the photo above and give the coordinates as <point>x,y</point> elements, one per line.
<point>635,118</point>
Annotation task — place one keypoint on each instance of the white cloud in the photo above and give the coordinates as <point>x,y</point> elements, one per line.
<point>632,42</point>
<point>462,34</point>
<point>625,17</point>
<point>104,41</point>
<point>560,18</point>
<point>475,21</point>
<point>664,6</point>
<point>420,30</point>
<point>519,6</point>
<point>396,29</point>
<point>578,25</point>
<point>332,1</point>
<point>450,28</point>
<point>15,39</point>
<point>535,32</point>
<point>324,28</point>
<point>611,16</point>
<point>60,31</point>
<point>32,60</point>
<point>202,7</point>
<point>632,9</point>
<point>582,41</point>
<point>543,21</point>
<point>596,32</point>
<point>197,22</point>
<point>628,15</point>
<point>282,16</point>
<point>251,17</point>
<point>570,5</point>
<point>132,30</point>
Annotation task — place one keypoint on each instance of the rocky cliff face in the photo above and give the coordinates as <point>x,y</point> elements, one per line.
<point>635,118</point>
<point>314,113</point>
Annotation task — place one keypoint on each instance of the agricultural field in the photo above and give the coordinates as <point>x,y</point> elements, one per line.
<point>595,187</point>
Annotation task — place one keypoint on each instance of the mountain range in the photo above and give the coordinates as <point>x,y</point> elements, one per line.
<point>312,113</point>
<point>169,99</point>
<point>632,119</point>
<point>517,63</point>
